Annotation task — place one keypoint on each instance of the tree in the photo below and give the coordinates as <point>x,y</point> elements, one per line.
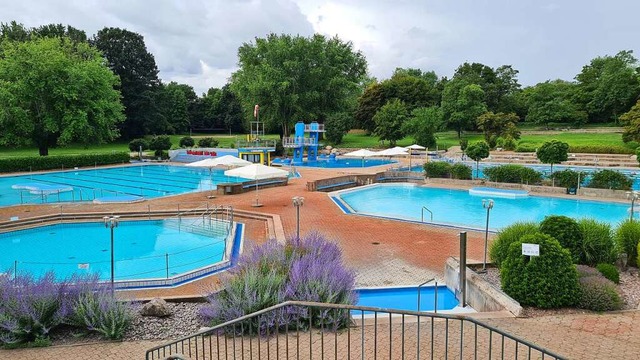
<point>337,125</point>
<point>389,120</point>
<point>18,32</point>
<point>423,125</point>
<point>631,122</point>
<point>368,104</point>
<point>53,92</point>
<point>229,111</point>
<point>553,152</point>
<point>552,101</point>
<point>175,109</point>
<point>294,77</point>
<point>127,56</point>
<point>498,125</point>
<point>476,152</point>
<point>462,104</point>
<point>609,86</point>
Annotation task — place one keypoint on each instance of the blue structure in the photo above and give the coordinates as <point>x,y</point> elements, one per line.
<point>299,142</point>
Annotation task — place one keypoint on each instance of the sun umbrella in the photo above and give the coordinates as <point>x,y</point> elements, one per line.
<point>362,153</point>
<point>257,172</point>
<point>411,148</point>
<point>226,160</point>
<point>393,151</point>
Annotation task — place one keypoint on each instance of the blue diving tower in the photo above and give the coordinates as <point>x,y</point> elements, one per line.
<point>299,142</point>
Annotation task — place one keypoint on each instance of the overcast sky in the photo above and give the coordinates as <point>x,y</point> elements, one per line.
<point>195,41</point>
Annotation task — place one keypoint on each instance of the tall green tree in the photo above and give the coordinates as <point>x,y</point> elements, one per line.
<point>337,125</point>
<point>297,78</point>
<point>389,120</point>
<point>631,122</point>
<point>14,31</point>
<point>609,86</point>
<point>499,85</point>
<point>477,151</point>
<point>127,56</point>
<point>53,92</point>
<point>368,104</point>
<point>424,124</point>
<point>553,101</point>
<point>498,125</point>
<point>553,152</point>
<point>229,111</point>
<point>462,104</point>
<point>172,98</point>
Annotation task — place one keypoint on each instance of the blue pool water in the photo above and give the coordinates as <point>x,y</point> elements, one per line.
<point>459,208</point>
<point>148,181</point>
<point>339,163</point>
<point>140,249</point>
<point>406,298</point>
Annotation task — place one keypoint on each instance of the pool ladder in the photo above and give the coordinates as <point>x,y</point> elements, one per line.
<point>422,215</point>
<point>435,296</point>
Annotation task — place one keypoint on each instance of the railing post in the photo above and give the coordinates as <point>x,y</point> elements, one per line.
<point>166,263</point>
<point>435,299</point>
<point>463,268</point>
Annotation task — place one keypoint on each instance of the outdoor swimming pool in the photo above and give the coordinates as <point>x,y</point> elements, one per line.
<point>459,208</point>
<point>153,249</point>
<point>338,163</point>
<point>146,181</point>
<point>406,298</point>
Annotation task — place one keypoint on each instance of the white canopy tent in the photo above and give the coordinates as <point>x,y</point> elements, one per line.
<point>227,160</point>
<point>411,148</point>
<point>257,172</point>
<point>394,151</point>
<point>362,153</point>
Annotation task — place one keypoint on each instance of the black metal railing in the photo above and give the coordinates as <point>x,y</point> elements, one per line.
<point>317,331</point>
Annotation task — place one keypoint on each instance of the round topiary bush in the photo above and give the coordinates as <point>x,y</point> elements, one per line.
<point>627,237</point>
<point>136,144</point>
<point>437,169</point>
<point>208,142</point>
<point>566,231</point>
<point>507,236</point>
<point>187,141</point>
<point>597,245</point>
<point>598,294</point>
<point>610,272</point>
<point>460,171</point>
<point>546,281</point>
<point>160,144</point>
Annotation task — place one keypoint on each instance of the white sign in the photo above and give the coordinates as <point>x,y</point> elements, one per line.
<point>83,266</point>
<point>531,249</point>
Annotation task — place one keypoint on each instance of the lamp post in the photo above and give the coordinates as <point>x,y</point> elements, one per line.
<point>486,204</point>
<point>298,201</point>
<point>111,222</point>
<point>633,195</point>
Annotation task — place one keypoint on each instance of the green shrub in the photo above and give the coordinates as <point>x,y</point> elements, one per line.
<point>499,142</point>
<point>187,141</point>
<point>135,144</point>
<point>627,238</point>
<point>600,149</point>
<point>526,148</point>
<point>610,179</point>
<point>546,281</point>
<point>512,173</point>
<point>568,178</point>
<point>598,294</point>
<point>610,272</point>
<point>460,171</point>
<point>566,231</point>
<point>159,144</point>
<point>597,245</point>
<point>437,169</point>
<point>507,236</point>
<point>208,142</point>
<point>584,271</point>
<point>36,163</point>
<point>279,148</point>
<point>102,313</point>
<point>463,144</point>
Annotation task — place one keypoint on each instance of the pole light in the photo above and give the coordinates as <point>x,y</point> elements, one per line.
<point>298,201</point>
<point>486,204</point>
<point>633,196</point>
<point>111,222</point>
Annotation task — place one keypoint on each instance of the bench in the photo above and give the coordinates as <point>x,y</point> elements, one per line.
<point>260,184</point>
<point>331,186</point>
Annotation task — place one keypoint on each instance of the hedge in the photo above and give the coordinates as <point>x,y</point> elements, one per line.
<point>600,149</point>
<point>36,163</point>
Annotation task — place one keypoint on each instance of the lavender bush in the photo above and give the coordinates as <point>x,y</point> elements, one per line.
<point>100,312</point>
<point>308,269</point>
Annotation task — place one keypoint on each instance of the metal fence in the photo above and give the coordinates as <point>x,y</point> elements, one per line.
<point>306,330</point>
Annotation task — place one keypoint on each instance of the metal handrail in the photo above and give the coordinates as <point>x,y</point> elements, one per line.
<point>422,216</point>
<point>435,300</point>
<point>171,348</point>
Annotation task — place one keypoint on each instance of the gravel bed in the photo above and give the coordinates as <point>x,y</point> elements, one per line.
<point>184,321</point>
<point>629,288</point>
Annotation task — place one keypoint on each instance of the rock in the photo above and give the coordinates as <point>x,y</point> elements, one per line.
<point>334,151</point>
<point>328,148</point>
<point>156,307</point>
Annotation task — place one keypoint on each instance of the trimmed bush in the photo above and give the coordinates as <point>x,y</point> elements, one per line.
<point>610,179</point>
<point>463,144</point>
<point>135,144</point>
<point>460,171</point>
<point>36,163</point>
<point>526,148</point>
<point>512,173</point>
<point>609,271</point>
<point>309,269</point>
<point>208,142</point>
<point>568,178</point>
<point>546,281</point>
<point>566,231</point>
<point>597,245</point>
<point>627,238</point>
<point>187,141</point>
<point>500,246</point>
<point>159,144</point>
<point>600,149</point>
<point>437,169</point>
<point>598,294</point>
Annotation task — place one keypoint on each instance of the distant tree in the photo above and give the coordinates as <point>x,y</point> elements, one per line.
<point>498,125</point>
<point>336,126</point>
<point>295,77</point>
<point>389,120</point>
<point>609,86</point>
<point>631,122</point>
<point>229,111</point>
<point>14,31</point>
<point>413,91</point>
<point>53,92</point>
<point>368,104</point>
<point>127,56</point>
<point>476,152</point>
<point>189,99</point>
<point>423,125</point>
<point>175,109</point>
<point>553,101</point>
<point>462,108</point>
<point>553,152</point>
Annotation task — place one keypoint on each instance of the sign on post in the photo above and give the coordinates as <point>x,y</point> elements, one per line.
<point>530,249</point>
